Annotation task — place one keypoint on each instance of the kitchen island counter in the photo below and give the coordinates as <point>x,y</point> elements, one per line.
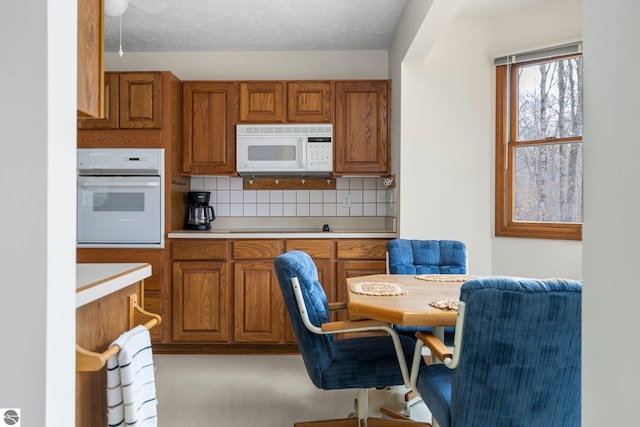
<point>94,281</point>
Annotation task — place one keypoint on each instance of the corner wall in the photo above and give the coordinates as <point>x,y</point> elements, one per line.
<point>446,183</point>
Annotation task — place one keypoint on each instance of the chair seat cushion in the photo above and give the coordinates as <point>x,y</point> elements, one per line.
<point>436,392</point>
<point>365,362</point>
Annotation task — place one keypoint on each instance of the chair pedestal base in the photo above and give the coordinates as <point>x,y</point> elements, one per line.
<point>370,422</point>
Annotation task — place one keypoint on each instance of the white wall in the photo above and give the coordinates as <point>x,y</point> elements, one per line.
<point>611,318</point>
<point>560,21</point>
<point>37,171</point>
<point>447,145</point>
<point>257,65</point>
<point>444,161</point>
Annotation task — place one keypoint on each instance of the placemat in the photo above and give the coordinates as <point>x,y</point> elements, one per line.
<point>377,288</point>
<point>445,304</point>
<point>445,277</point>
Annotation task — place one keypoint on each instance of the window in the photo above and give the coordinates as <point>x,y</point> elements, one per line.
<point>539,147</point>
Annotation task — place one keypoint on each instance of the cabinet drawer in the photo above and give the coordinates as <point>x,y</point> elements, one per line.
<point>256,249</point>
<point>317,249</point>
<point>362,249</point>
<point>195,249</point>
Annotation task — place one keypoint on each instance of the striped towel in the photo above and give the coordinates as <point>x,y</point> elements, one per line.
<point>131,389</point>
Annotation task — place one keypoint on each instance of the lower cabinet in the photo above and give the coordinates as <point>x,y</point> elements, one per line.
<point>226,295</point>
<point>258,305</point>
<point>201,302</point>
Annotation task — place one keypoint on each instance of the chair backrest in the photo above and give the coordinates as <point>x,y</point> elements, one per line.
<point>315,348</point>
<point>520,359</point>
<point>427,257</point>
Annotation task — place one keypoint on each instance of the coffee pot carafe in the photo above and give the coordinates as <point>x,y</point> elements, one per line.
<point>199,213</point>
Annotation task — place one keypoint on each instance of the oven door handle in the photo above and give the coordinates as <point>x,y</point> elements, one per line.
<point>119,184</point>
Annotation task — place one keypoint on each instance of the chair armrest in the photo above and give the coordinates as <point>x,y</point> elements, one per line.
<point>335,306</point>
<point>436,346</point>
<point>350,325</point>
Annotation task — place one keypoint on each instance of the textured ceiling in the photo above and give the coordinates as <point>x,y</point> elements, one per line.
<point>269,25</point>
<point>243,25</point>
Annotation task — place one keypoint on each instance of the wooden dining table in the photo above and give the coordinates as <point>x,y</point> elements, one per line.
<point>411,308</point>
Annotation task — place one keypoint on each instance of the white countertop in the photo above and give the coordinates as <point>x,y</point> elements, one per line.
<point>239,234</point>
<point>94,281</point>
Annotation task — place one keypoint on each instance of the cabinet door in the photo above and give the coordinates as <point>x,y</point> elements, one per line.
<point>258,306</point>
<point>208,144</point>
<point>201,302</point>
<point>140,101</point>
<point>90,58</point>
<point>262,102</point>
<point>355,268</point>
<point>309,102</point>
<point>110,118</point>
<point>361,127</point>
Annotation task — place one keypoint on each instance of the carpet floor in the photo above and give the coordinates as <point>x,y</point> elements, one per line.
<point>254,390</point>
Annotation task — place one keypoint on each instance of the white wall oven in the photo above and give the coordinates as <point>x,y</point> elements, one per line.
<point>120,198</point>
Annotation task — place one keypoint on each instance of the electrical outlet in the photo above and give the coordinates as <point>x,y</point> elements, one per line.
<point>346,200</point>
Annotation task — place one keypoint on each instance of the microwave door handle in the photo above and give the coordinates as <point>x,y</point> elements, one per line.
<point>303,157</point>
<point>119,184</point>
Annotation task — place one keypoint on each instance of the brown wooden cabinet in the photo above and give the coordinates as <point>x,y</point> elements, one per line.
<point>262,102</point>
<point>202,310</point>
<point>361,128</point>
<point>109,119</point>
<point>226,296</point>
<point>140,101</point>
<point>90,58</point>
<point>201,304</point>
<point>208,143</point>
<point>309,101</point>
<point>258,306</point>
<point>132,100</point>
<point>300,101</point>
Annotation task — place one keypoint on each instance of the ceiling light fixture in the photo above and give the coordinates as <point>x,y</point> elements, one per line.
<point>115,8</point>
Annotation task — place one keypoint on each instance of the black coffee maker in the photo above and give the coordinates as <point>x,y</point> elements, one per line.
<point>199,214</point>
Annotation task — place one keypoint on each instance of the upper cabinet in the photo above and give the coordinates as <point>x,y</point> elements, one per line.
<point>309,101</point>
<point>359,110</point>
<point>262,102</point>
<point>90,58</point>
<point>208,141</point>
<point>109,119</point>
<point>303,101</point>
<point>361,127</point>
<point>132,101</point>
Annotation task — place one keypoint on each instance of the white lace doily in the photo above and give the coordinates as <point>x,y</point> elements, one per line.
<point>377,288</point>
<point>445,304</point>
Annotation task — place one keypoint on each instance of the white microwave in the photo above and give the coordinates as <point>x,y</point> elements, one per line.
<point>286,149</point>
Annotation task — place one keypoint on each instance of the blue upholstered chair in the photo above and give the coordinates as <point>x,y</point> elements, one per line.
<point>406,256</point>
<point>426,257</point>
<point>358,363</point>
<point>516,360</point>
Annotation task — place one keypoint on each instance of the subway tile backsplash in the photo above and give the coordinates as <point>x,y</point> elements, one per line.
<point>353,196</point>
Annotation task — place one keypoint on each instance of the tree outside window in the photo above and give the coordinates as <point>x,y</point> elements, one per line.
<point>539,148</point>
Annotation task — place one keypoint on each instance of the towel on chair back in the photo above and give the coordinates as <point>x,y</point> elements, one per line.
<point>131,389</point>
